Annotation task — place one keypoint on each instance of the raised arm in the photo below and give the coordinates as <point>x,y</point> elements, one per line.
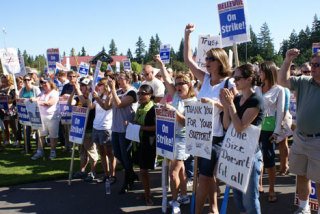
<point>284,75</point>
<point>187,54</point>
<point>166,76</point>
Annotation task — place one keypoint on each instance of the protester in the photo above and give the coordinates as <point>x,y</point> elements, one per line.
<point>136,82</point>
<point>218,70</point>
<point>243,110</point>
<point>50,117</point>
<point>181,90</point>
<point>101,133</point>
<point>155,83</point>
<point>146,149</point>
<point>27,92</point>
<point>305,69</point>
<point>34,74</point>
<point>124,102</point>
<point>273,99</point>
<point>10,115</point>
<point>304,158</point>
<point>61,80</point>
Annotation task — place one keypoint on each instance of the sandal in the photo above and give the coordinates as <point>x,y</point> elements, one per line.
<point>272,197</point>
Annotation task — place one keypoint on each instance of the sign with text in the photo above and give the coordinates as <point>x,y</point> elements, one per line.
<point>126,64</point>
<point>313,201</point>
<point>236,157</point>
<point>78,124</point>
<point>165,53</point>
<point>53,56</point>
<point>83,69</point>
<point>199,128</point>
<point>233,25</point>
<point>96,74</point>
<point>10,61</point>
<point>4,103</point>
<point>23,70</point>
<point>34,114</point>
<point>65,111</point>
<point>22,112</point>
<point>315,47</point>
<point>205,43</point>
<point>165,132</point>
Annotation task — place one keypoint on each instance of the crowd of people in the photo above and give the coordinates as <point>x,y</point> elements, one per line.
<point>279,100</point>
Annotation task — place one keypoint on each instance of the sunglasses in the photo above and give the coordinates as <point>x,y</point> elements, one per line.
<point>306,72</point>
<point>315,65</point>
<point>43,82</point>
<point>237,78</point>
<point>27,80</point>
<point>146,74</point>
<point>142,93</point>
<point>180,83</point>
<point>72,76</point>
<point>210,58</point>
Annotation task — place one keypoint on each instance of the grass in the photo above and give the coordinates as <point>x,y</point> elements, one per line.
<point>18,168</point>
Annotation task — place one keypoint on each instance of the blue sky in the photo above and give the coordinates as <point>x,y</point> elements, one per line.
<point>35,25</point>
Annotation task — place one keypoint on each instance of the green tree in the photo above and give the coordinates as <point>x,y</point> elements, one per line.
<point>103,49</point>
<point>153,49</point>
<point>129,54</point>
<point>179,66</point>
<point>83,52</point>
<point>180,51</point>
<point>315,30</point>
<point>173,55</point>
<point>293,39</point>
<point>112,48</point>
<point>136,67</point>
<point>249,49</point>
<point>158,42</point>
<point>266,47</point>
<point>72,52</point>
<point>140,50</point>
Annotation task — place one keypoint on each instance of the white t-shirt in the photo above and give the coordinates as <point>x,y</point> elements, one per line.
<point>157,86</point>
<point>213,92</point>
<point>49,111</point>
<point>103,118</point>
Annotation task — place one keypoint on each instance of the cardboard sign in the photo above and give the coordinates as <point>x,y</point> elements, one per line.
<point>22,112</point>
<point>83,69</point>
<point>165,53</point>
<point>4,102</point>
<point>53,56</point>
<point>313,200</point>
<point>34,114</point>
<point>236,157</point>
<point>205,43</point>
<point>96,74</point>
<point>199,129</point>
<point>10,61</point>
<point>165,132</point>
<point>126,64</point>
<point>78,124</point>
<point>65,112</point>
<point>233,24</point>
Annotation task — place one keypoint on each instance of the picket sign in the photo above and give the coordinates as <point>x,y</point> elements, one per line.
<point>34,114</point>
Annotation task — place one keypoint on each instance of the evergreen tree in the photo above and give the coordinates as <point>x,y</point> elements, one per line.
<point>72,52</point>
<point>25,57</point>
<point>315,30</point>
<point>129,54</point>
<point>113,49</point>
<point>83,52</point>
<point>153,50</point>
<point>103,49</point>
<point>173,55</point>
<point>140,50</point>
<point>180,52</point>
<point>293,40</point>
<point>158,43</point>
<point>266,47</point>
<point>64,54</point>
<point>283,48</point>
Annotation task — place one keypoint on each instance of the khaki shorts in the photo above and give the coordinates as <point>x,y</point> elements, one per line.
<point>88,149</point>
<point>304,157</point>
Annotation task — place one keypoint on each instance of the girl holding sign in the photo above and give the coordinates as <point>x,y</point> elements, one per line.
<point>181,90</point>
<point>216,78</point>
<point>244,110</point>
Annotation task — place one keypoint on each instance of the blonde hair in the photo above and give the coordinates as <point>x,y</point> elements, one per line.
<point>186,79</point>
<point>222,57</point>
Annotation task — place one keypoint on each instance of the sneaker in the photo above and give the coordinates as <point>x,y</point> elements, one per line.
<point>189,183</point>
<point>302,211</point>
<point>183,199</point>
<point>53,155</point>
<point>90,177</point>
<point>37,155</point>
<point>79,175</point>
<point>175,207</point>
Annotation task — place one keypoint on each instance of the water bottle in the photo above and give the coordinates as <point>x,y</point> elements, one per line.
<point>107,185</point>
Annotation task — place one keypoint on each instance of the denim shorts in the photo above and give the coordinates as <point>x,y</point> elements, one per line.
<point>101,137</point>
<point>206,167</point>
<point>268,149</point>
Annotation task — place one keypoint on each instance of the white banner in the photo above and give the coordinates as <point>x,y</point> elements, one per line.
<point>199,129</point>
<point>237,155</point>
<point>9,60</point>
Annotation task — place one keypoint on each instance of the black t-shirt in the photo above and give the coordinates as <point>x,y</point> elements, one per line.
<point>67,89</point>
<point>130,93</point>
<point>149,120</point>
<point>254,101</point>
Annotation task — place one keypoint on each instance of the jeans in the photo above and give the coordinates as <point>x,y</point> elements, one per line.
<point>28,137</point>
<point>189,165</point>
<point>122,149</point>
<point>249,202</point>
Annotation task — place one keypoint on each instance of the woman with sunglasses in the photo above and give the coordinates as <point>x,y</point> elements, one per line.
<point>245,110</point>
<point>124,105</point>
<point>50,117</point>
<point>274,100</point>
<point>216,78</point>
<point>181,91</point>
<point>29,91</point>
<point>146,149</point>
